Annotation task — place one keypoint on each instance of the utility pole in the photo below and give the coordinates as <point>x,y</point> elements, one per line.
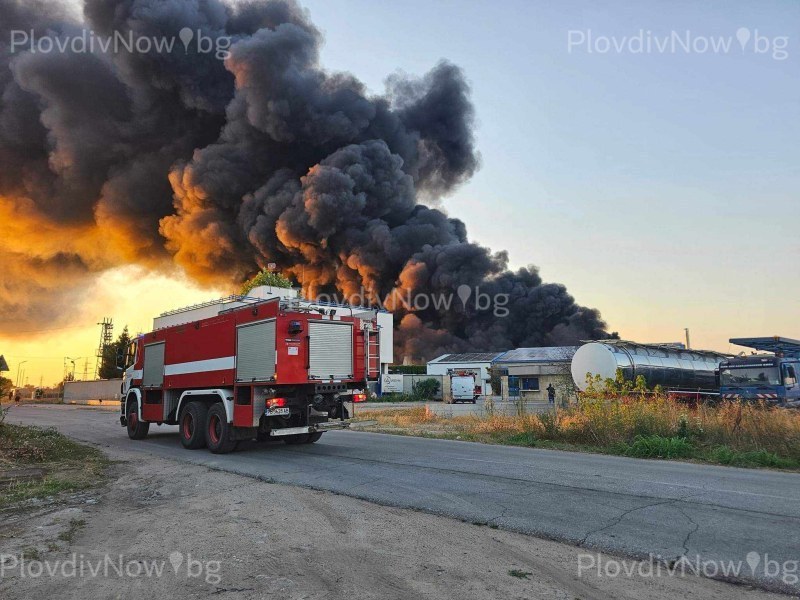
<point>106,339</point>
<point>69,375</point>
<point>688,346</point>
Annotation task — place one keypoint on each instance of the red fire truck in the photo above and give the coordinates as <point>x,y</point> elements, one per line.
<point>250,368</point>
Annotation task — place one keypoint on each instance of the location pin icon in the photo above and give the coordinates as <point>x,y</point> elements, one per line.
<point>175,559</point>
<point>743,35</point>
<point>186,36</point>
<point>753,558</point>
<point>464,292</point>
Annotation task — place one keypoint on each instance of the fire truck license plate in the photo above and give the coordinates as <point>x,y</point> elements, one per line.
<point>272,412</point>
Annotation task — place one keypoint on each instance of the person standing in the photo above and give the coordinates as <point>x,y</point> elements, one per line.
<point>551,393</point>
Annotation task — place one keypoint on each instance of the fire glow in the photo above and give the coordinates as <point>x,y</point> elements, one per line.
<point>218,167</point>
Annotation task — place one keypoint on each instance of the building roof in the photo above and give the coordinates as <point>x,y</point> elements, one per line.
<point>776,344</point>
<point>534,355</point>
<point>469,357</point>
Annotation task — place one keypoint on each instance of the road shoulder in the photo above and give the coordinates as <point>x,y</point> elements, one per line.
<point>216,532</point>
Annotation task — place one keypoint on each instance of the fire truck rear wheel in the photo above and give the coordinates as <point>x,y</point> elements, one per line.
<point>137,430</point>
<point>193,426</point>
<point>218,430</point>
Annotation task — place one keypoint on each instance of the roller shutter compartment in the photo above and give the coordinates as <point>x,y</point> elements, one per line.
<point>330,354</point>
<point>255,351</point>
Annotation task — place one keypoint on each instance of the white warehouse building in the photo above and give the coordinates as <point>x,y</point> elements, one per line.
<point>477,362</point>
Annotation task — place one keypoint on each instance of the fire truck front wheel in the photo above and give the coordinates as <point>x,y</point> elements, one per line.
<point>218,431</point>
<point>193,425</point>
<point>137,430</point>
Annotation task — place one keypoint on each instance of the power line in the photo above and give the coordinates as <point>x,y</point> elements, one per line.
<point>18,356</point>
<point>16,331</point>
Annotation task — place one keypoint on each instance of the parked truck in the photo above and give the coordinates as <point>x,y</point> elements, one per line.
<point>246,368</point>
<point>686,373</point>
<point>771,378</point>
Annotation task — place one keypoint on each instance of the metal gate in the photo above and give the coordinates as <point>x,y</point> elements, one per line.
<point>330,350</point>
<point>153,375</point>
<point>255,351</point>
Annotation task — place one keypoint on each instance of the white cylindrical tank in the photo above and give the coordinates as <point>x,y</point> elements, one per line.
<point>671,368</point>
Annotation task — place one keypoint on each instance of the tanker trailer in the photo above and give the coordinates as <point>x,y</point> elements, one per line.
<point>675,369</point>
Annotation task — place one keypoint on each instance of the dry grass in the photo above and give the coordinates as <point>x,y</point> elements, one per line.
<point>66,465</point>
<point>729,433</point>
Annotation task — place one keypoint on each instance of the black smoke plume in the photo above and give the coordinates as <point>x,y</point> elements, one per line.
<point>222,161</point>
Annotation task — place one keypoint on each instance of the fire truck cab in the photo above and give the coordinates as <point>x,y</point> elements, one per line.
<point>252,367</point>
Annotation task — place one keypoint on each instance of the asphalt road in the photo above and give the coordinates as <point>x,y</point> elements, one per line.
<point>627,506</point>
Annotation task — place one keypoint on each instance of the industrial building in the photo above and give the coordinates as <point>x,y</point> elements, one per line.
<point>479,363</point>
<point>525,373</point>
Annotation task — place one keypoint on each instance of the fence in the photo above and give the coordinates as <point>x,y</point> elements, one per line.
<point>83,392</point>
<point>409,381</point>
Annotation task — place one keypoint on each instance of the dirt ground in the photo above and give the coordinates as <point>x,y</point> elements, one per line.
<point>216,534</point>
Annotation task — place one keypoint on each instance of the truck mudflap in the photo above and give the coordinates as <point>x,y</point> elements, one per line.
<point>327,426</point>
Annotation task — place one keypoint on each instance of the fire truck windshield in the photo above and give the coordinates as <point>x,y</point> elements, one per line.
<point>745,376</point>
<point>130,356</point>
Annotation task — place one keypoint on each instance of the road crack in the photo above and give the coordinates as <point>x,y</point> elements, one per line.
<point>692,531</point>
<point>625,513</point>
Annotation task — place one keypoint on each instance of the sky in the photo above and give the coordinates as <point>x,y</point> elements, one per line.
<point>660,187</point>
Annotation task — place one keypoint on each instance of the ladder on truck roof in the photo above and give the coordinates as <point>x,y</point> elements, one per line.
<point>780,346</point>
<point>371,352</point>
<point>217,302</point>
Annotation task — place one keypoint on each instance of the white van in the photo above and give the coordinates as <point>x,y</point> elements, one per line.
<point>462,388</point>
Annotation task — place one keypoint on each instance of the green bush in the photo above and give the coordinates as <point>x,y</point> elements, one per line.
<point>408,369</point>
<point>426,389</point>
<point>656,446</point>
<point>754,458</point>
<point>549,421</point>
<point>526,438</point>
<point>265,277</point>
<point>422,391</point>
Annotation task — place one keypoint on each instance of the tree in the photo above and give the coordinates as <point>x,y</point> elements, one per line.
<point>408,369</point>
<point>114,356</point>
<point>5,385</point>
<point>426,389</point>
<point>265,277</point>
<point>495,381</point>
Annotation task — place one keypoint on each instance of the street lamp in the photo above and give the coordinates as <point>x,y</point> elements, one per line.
<point>19,366</point>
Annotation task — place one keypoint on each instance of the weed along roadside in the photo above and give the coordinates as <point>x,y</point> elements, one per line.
<point>37,465</point>
<point>729,433</point>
